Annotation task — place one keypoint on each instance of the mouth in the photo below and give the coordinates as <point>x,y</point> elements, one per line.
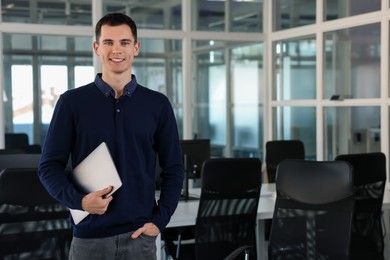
<point>117,59</point>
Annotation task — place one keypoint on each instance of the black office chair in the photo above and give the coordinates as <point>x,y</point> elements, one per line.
<point>369,171</point>
<point>279,150</point>
<point>313,210</point>
<point>19,141</point>
<point>15,140</point>
<point>226,219</point>
<point>275,152</point>
<point>32,223</point>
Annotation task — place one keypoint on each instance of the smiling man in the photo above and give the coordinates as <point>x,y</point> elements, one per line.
<point>138,124</point>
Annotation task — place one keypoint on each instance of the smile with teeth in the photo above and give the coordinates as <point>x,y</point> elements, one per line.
<point>116,59</point>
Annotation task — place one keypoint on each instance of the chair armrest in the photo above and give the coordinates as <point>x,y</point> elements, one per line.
<point>236,252</point>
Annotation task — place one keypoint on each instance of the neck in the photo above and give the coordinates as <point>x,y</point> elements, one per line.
<point>117,82</point>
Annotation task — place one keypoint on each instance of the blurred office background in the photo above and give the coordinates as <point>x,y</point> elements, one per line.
<point>238,72</point>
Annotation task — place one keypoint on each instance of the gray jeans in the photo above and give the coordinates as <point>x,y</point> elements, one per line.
<point>118,247</point>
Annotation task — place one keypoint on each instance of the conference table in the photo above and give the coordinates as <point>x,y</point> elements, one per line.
<point>185,215</point>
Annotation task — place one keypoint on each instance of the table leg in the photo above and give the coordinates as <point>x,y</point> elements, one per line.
<point>262,253</point>
<point>386,224</point>
<point>158,246</point>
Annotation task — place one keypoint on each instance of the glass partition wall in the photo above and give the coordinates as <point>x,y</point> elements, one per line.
<point>227,104</point>
<point>239,73</point>
<point>329,78</point>
<point>37,69</point>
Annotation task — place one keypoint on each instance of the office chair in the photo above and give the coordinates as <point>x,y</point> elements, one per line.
<point>31,221</point>
<point>369,172</point>
<point>16,140</point>
<point>19,141</point>
<point>278,150</point>
<point>313,210</point>
<point>275,152</point>
<point>226,219</point>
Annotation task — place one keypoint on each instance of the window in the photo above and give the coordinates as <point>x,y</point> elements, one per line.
<point>70,12</point>
<point>335,9</point>
<point>229,16</point>
<point>37,69</point>
<point>296,123</point>
<point>295,69</point>
<point>152,14</point>
<point>351,130</point>
<point>293,13</point>
<point>352,62</point>
<point>227,103</point>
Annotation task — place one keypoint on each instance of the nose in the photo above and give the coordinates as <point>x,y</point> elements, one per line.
<point>117,49</point>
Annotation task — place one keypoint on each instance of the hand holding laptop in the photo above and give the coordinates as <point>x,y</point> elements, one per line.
<point>97,202</point>
<point>95,173</point>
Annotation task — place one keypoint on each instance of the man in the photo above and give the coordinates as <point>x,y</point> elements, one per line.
<point>137,124</point>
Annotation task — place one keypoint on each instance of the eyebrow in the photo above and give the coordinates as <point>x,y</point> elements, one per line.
<point>122,40</point>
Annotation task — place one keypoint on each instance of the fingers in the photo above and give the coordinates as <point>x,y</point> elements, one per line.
<point>95,202</point>
<point>137,232</point>
<point>104,191</point>
<point>149,229</point>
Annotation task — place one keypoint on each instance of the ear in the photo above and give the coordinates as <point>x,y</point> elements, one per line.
<point>137,46</point>
<point>96,47</point>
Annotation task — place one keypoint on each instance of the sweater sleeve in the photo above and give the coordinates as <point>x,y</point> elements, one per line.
<point>169,152</point>
<point>55,156</point>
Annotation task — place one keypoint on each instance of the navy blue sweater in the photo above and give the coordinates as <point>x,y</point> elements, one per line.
<point>136,127</point>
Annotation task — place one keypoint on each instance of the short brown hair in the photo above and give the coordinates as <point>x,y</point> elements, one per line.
<point>114,19</point>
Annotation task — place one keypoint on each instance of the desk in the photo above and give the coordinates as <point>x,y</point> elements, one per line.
<point>185,215</point>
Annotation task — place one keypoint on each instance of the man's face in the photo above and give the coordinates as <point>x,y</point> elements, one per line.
<point>116,48</point>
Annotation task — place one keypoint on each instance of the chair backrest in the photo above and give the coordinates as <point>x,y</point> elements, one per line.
<point>313,210</point>
<point>19,141</point>
<point>30,216</point>
<point>279,150</point>
<point>369,173</point>
<point>228,206</point>
<point>22,187</point>
<point>16,140</point>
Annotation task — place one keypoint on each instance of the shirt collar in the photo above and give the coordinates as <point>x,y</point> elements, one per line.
<point>107,90</point>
